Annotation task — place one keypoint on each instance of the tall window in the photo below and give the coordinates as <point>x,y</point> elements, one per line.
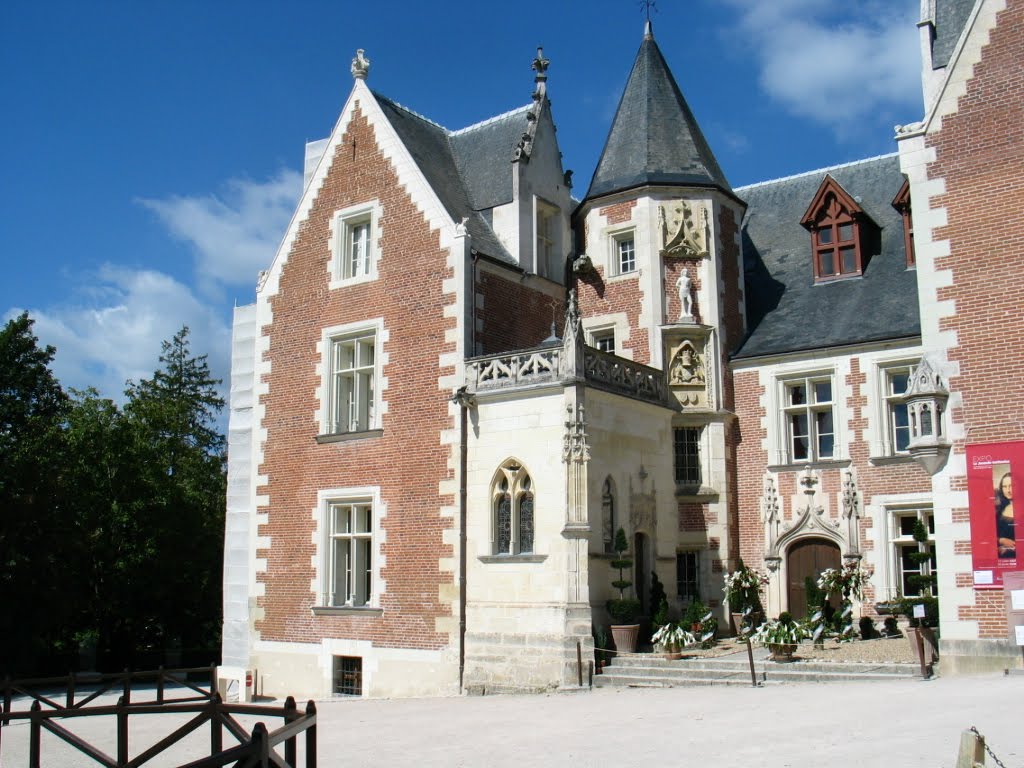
<point>609,524</point>
<point>908,569</point>
<point>902,204</point>
<point>547,238</point>
<point>625,253</point>
<point>896,379</point>
<point>687,456</point>
<point>512,504</point>
<point>350,535</point>
<point>688,576</point>
<point>834,221</point>
<point>352,383</point>
<point>354,232</point>
<point>810,419</point>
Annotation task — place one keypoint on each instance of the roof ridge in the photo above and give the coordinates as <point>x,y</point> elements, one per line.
<point>816,171</point>
<point>490,120</point>
<point>412,112</point>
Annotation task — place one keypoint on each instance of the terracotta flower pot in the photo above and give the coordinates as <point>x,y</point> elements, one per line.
<point>625,637</point>
<point>782,652</point>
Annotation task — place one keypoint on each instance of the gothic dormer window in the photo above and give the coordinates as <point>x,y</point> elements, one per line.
<point>902,204</point>
<point>834,220</point>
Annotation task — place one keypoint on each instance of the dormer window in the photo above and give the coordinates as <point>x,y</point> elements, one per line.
<point>834,221</point>
<point>902,204</point>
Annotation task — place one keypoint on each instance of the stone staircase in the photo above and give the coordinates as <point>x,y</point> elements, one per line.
<point>655,671</point>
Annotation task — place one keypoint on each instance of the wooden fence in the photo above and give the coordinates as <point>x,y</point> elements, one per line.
<point>257,747</point>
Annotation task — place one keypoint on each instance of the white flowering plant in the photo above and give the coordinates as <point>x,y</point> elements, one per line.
<point>846,581</point>
<point>778,632</point>
<point>743,588</point>
<point>673,636</point>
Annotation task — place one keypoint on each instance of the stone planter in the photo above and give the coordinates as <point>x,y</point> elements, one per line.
<point>782,652</point>
<point>673,652</point>
<point>625,637</point>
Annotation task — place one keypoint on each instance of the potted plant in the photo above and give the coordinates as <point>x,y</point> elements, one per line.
<point>781,636</point>
<point>743,594</point>
<point>623,610</point>
<point>701,621</point>
<point>846,582</point>
<point>673,638</point>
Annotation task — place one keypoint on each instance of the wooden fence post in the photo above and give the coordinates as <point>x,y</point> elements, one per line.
<point>291,713</point>
<point>35,730</point>
<point>972,750</point>
<point>261,745</point>
<point>70,701</point>
<point>216,728</point>
<point>311,736</point>
<point>213,680</point>
<point>160,684</point>
<point>122,730</point>
<point>127,686</point>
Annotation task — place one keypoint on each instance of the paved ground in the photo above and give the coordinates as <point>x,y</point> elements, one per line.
<point>900,723</point>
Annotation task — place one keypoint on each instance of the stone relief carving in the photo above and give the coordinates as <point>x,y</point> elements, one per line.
<point>687,374</point>
<point>683,229</point>
<point>574,442</point>
<point>851,513</point>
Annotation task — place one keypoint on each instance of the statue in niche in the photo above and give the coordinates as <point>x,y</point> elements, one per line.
<point>686,366</point>
<point>685,287</point>
<point>683,229</point>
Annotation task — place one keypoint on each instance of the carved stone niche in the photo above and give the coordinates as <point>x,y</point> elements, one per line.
<point>684,229</point>
<point>689,365</point>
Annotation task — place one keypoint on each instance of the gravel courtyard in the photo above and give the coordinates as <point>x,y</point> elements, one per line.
<point>900,723</point>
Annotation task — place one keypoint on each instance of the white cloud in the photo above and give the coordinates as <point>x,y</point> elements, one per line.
<point>234,236</point>
<point>835,68</point>
<point>112,330</point>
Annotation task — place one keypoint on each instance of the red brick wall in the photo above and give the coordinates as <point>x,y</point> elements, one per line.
<point>979,153</point>
<point>598,296</point>
<point>513,315</point>
<point>407,462</point>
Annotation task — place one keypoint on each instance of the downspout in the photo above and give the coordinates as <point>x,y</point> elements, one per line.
<point>464,400</point>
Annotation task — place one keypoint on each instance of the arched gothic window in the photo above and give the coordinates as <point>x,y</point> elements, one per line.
<point>608,521</point>
<point>512,509</point>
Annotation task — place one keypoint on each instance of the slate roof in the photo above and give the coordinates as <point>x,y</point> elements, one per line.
<point>950,18</point>
<point>786,310</point>
<point>470,170</point>
<point>654,138</point>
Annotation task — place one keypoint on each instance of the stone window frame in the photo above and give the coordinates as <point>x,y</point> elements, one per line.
<point>897,540</point>
<point>783,442</point>
<point>513,483</point>
<point>885,409</point>
<point>324,564</point>
<point>342,223</point>
<point>326,394</point>
<point>685,598</point>
<point>615,237</point>
<point>602,337</point>
<point>547,238</point>
<point>609,515</point>
<point>684,483</point>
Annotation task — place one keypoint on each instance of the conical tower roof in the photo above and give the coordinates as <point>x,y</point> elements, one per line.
<point>654,138</point>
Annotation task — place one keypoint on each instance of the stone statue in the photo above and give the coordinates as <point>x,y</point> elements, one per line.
<point>684,284</point>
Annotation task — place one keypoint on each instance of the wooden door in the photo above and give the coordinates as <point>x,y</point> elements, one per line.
<point>807,558</point>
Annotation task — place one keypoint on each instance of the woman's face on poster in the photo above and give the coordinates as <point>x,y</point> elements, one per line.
<point>1006,486</point>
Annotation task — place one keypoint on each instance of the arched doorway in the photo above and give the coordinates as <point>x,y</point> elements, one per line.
<point>807,558</point>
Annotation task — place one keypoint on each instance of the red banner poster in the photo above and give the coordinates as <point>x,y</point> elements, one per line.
<point>993,471</point>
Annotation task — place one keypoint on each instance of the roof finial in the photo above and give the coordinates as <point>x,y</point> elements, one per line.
<point>648,6</point>
<point>360,65</point>
<point>540,66</point>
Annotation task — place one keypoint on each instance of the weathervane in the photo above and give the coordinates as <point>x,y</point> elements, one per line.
<point>648,6</point>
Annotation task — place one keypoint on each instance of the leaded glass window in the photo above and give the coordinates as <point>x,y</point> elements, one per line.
<point>513,502</point>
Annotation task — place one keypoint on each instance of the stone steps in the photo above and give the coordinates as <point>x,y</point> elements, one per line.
<point>652,670</point>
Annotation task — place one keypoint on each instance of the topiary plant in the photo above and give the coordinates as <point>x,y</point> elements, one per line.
<point>623,610</point>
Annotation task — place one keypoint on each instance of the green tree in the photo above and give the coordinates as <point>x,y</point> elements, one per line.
<point>182,476</point>
<point>35,582</point>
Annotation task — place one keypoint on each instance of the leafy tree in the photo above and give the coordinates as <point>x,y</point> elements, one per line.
<point>34,535</point>
<point>173,431</point>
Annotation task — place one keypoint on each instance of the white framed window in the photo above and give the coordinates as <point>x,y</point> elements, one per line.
<point>354,236</point>
<point>624,252</point>
<point>603,339</point>
<point>547,230</point>
<point>512,497</point>
<point>808,408</point>
<point>894,383</point>
<point>908,571</point>
<point>351,364</point>
<point>349,561</point>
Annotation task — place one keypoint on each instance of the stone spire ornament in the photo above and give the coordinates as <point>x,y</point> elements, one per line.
<point>360,65</point>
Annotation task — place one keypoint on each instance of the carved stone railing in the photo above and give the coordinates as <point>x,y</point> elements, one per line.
<point>526,368</point>
<point>616,374</point>
<point>554,365</point>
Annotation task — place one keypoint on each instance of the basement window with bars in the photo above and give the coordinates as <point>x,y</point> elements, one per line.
<point>348,676</point>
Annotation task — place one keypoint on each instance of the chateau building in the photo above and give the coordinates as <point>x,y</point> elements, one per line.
<point>458,381</point>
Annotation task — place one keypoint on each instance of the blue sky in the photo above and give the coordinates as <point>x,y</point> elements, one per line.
<point>152,151</point>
